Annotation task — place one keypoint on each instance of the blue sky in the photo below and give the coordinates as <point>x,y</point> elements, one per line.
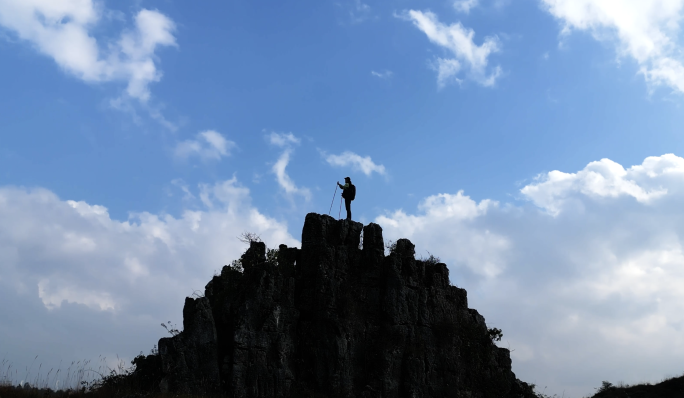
<point>533,145</point>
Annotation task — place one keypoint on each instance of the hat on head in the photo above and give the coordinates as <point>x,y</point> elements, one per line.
<point>347,179</point>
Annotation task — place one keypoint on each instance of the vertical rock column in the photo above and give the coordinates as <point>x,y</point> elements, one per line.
<point>329,247</point>
<point>189,359</point>
<point>256,323</point>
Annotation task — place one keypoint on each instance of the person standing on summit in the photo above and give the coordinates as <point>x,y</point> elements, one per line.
<point>349,194</point>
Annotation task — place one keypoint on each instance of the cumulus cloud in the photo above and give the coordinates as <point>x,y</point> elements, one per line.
<point>83,239</point>
<point>603,178</point>
<point>357,162</point>
<point>63,30</point>
<point>286,141</point>
<point>209,145</point>
<point>459,41</point>
<point>445,221</point>
<point>465,6</point>
<point>645,31</point>
<point>83,283</point>
<point>580,288</point>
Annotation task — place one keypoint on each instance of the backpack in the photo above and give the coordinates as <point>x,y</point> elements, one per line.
<point>352,192</point>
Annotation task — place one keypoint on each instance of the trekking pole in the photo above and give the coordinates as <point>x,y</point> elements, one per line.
<point>339,212</point>
<point>333,201</point>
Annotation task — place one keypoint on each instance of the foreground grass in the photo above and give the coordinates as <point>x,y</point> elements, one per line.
<point>81,380</point>
<point>20,392</point>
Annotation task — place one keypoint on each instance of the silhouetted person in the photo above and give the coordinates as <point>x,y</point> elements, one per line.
<point>349,194</point>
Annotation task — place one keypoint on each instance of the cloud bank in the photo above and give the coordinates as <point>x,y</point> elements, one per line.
<point>84,284</point>
<point>582,280</point>
<point>582,276</point>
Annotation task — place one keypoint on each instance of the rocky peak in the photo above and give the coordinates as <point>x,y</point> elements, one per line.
<point>336,318</point>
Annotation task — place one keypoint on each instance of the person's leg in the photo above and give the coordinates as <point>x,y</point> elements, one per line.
<point>347,205</point>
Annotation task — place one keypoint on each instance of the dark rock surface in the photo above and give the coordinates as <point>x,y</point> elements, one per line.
<point>669,388</point>
<point>333,319</point>
<point>189,360</point>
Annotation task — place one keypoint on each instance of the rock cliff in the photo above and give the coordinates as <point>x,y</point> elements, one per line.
<point>336,318</point>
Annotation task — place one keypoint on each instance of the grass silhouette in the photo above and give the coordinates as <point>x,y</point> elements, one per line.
<point>84,379</point>
<point>671,387</point>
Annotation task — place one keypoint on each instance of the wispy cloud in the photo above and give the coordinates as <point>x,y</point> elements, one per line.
<point>208,145</point>
<point>447,69</point>
<point>359,11</point>
<point>645,31</point>
<point>286,141</point>
<point>386,74</point>
<point>457,40</point>
<point>187,194</point>
<point>465,6</point>
<point>284,179</point>
<point>357,162</point>
<point>283,139</point>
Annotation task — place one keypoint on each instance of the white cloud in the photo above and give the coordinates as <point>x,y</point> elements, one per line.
<point>447,69</point>
<point>286,141</point>
<point>209,145</point>
<point>136,61</point>
<point>386,74</point>
<point>457,40</point>
<point>646,31</point>
<point>284,179</point>
<point>79,233</point>
<point>83,284</point>
<point>604,178</point>
<point>62,30</point>
<point>282,139</point>
<point>357,162</point>
<point>55,292</point>
<point>581,288</point>
<point>445,222</point>
<point>465,6</point>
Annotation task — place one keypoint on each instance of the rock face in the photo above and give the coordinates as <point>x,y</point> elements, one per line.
<point>336,318</point>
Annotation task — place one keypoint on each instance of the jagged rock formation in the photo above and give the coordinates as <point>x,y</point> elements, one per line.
<point>333,319</point>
